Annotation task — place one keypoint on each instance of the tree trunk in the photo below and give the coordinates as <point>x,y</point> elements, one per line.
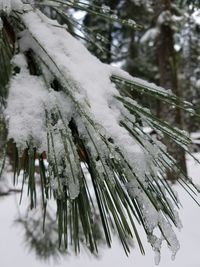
<point>169,80</point>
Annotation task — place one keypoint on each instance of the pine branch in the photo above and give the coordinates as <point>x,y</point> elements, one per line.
<point>67,108</point>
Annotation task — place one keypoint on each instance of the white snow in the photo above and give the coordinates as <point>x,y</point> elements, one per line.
<point>196,16</point>
<point>86,78</point>
<point>189,236</point>
<point>27,96</point>
<point>195,135</point>
<point>5,5</point>
<point>9,5</point>
<point>150,35</point>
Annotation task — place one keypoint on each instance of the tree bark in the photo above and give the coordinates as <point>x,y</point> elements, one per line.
<point>169,79</point>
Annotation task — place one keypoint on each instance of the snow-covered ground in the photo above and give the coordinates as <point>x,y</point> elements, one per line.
<point>13,252</point>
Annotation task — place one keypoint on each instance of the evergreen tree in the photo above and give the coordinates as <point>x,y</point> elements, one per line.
<point>189,62</point>
<point>169,74</point>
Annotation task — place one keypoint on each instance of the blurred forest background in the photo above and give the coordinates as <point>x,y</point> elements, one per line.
<point>166,51</point>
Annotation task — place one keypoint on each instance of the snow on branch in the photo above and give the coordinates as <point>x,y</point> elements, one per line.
<point>63,101</point>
